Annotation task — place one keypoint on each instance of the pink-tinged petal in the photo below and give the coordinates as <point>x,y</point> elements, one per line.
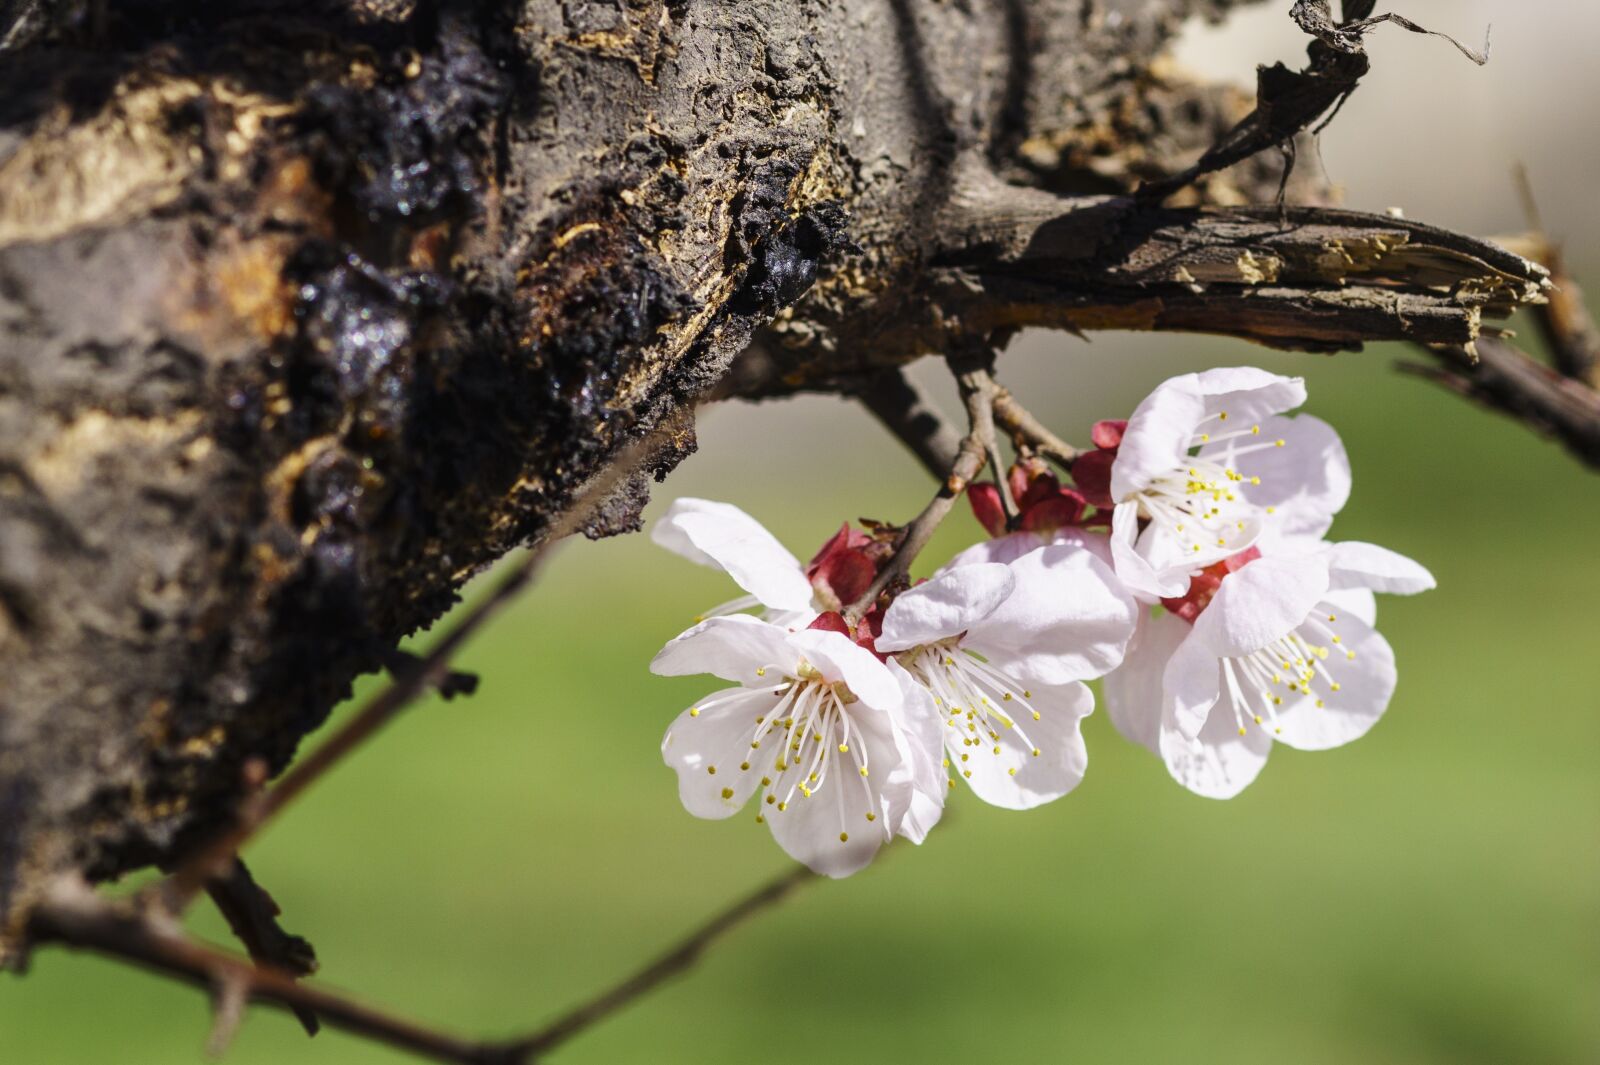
<point>1305,482</point>
<point>1353,564</point>
<point>1107,434</point>
<point>1191,686</point>
<point>984,498</point>
<point>945,606</point>
<point>1366,683</point>
<point>1219,763</point>
<point>1091,472</point>
<point>707,747</point>
<point>1261,603</point>
<point>1158,435</point>
<point>724,537</point>
<point>914,793</point>
<point>837,658</point>
<point>1357,602</point>
<point>1068,619</point>
<point>1133,569</point>
<point>1016,778</point>
<point>1249,395</point>
<point>828,830</point>
<point>737,647</point>
<point>1133,691</point>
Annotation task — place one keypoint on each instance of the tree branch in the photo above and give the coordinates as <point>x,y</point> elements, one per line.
<point>907,413</point>
<point>1504,379</point>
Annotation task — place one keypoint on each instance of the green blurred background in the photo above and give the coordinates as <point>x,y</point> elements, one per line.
<point>1430,894</point>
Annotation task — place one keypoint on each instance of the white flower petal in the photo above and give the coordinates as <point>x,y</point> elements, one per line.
<point>1162,428</point>
<point>828,831</point>
<point>1191,685</point>
<point>1261,603</point>
<point>1001,549</point>
<point>1133,569</point>
<point>1219,763</point>
<point>724,537</point>
<point>1247,394</point>
<point>1305,482</point>
<point>707,745</point>
<point>734,648</point>
<point>1366,683</point>
<point>914,794</point>
<point>837,658</point>
<point>1357,602</point>
<point>1353,564</point>
<point>945,606</point>
<point>1158,435</point>
<point>1068,619</point>
<point>1133,691</point>
<point>1016,778</point>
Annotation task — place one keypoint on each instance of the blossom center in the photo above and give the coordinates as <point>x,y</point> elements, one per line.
<point>982,707</point>
<point>805,746</point>
<point>1302,665</point>
<point>1201,503</point>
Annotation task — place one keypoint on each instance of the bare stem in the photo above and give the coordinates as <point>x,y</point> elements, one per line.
<point>1015,419</point>
<point>977,393</point>
<point>675,961</point>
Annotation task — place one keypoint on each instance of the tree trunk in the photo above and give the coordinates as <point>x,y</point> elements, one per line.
<point>311,311</point>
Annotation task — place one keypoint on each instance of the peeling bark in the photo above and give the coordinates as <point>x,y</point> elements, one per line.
<point>310,311</point>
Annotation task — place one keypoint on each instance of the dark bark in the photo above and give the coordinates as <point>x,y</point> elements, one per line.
<point>310,311</point>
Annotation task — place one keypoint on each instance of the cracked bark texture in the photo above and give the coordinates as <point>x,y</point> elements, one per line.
<point>310,311</point>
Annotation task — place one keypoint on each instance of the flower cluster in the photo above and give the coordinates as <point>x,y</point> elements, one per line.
<point>1186,565</point>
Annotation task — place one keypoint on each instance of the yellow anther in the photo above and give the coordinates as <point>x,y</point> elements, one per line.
<point>761,671</point>
<point>760,820</point>
<point>1351,655</point>
<point>1321,705</point>
<point>1036,752</point>
<point>1255,480</point>
<point>1277,443</point>
<point>963,758</point>
<point>1006,697</point>
<point>755,745</point>
<point>766,781</point>
<point>1241,730</point>
<point>1036,715</point>
<point>967,773</point>
<point>1255,430</point>
<point>1223,416</point>
<point>871,816</point>
<point>694,711</point>
<point>863,770</point>
<point>947,763</point>
<point>743,766</point>
<point>1338,639</point>
<point>1334,686</point>
<point>771,799</point>
<point>844,837</point>
<point>711,770</point>
<point>997,750</point>
<point>844,748</point>
<point>1258,719</point>
<point>1012,771</point>
<point>727,793</point>
<point>1026,694</point>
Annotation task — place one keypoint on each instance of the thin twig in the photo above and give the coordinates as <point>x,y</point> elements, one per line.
<point>907,413</point>
<point>75,916</point>
<point>977,392</point>
<point>675,961</point>
<point>1015,419</point>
